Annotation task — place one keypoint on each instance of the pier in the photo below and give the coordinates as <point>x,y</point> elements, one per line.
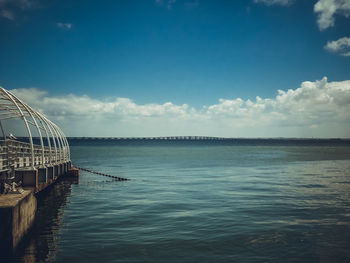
<point>30,161</point>
<point>32,166</point>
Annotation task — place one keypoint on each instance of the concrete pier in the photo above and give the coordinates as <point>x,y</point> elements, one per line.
<point>30,162</point>
<point>17,210</point>
<point>41,177</point>
<point>17,214</point>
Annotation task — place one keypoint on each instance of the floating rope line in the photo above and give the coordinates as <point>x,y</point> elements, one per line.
<point>103,174</point>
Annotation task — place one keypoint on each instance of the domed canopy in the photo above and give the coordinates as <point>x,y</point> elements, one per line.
<point>53,146</point>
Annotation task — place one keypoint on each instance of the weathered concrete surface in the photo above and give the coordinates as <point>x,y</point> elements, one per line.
<point>17,211</point>
<point>50,172</point>
<point>29,177</point>
<point>17,214</point>
<point>42,175</point>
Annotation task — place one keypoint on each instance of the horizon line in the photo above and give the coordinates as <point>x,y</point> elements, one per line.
<point>205,137</point>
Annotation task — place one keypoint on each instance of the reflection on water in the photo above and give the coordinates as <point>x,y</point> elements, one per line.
<point>41,244</point>
<point>198,204</point>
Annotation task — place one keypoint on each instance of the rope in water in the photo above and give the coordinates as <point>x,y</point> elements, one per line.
<point>103,174</point>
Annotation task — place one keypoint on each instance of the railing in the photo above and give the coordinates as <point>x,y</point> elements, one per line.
<point>16,155</point>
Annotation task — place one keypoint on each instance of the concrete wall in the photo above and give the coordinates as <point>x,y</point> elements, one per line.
<point>17,214</point>
<point>29,177</point>
<point>23,218</point>
<point>17,211</point>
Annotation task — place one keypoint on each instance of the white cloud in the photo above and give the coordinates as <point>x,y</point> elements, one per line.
<point>327,9</point>
<point>192,4</point>
<point>8,8</point>
<point>315,109</point>
<point>66,26</point>
<point>168,3</point>
<point>341,46</point>
<point>23,4</point>
<point>275,2</point>
<point>7,14</point>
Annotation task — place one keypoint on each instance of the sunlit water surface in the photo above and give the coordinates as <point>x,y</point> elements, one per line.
<point>198,203</point>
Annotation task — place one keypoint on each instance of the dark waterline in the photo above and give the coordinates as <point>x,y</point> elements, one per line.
<point>195,202</point>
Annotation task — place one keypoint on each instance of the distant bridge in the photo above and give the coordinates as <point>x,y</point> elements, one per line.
<point>168,138</point>
<point>215,140</point>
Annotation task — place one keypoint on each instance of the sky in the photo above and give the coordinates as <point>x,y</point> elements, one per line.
<point>253,68</point>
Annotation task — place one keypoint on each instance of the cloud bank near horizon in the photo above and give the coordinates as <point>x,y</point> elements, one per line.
<point>315,109</point>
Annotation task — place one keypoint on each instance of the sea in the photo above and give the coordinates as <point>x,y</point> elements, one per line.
<point>239,200</point>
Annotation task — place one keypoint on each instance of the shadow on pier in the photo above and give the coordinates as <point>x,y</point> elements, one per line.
<point>41,243</point>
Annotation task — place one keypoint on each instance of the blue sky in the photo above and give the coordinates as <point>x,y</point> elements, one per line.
<point>183,52</point>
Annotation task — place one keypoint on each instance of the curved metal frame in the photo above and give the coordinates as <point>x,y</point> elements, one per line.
<point>12,107</point>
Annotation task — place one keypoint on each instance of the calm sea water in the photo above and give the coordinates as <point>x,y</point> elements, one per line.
<point>198,202</point>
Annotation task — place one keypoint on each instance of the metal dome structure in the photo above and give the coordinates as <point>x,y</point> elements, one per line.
<point>50,157</point>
